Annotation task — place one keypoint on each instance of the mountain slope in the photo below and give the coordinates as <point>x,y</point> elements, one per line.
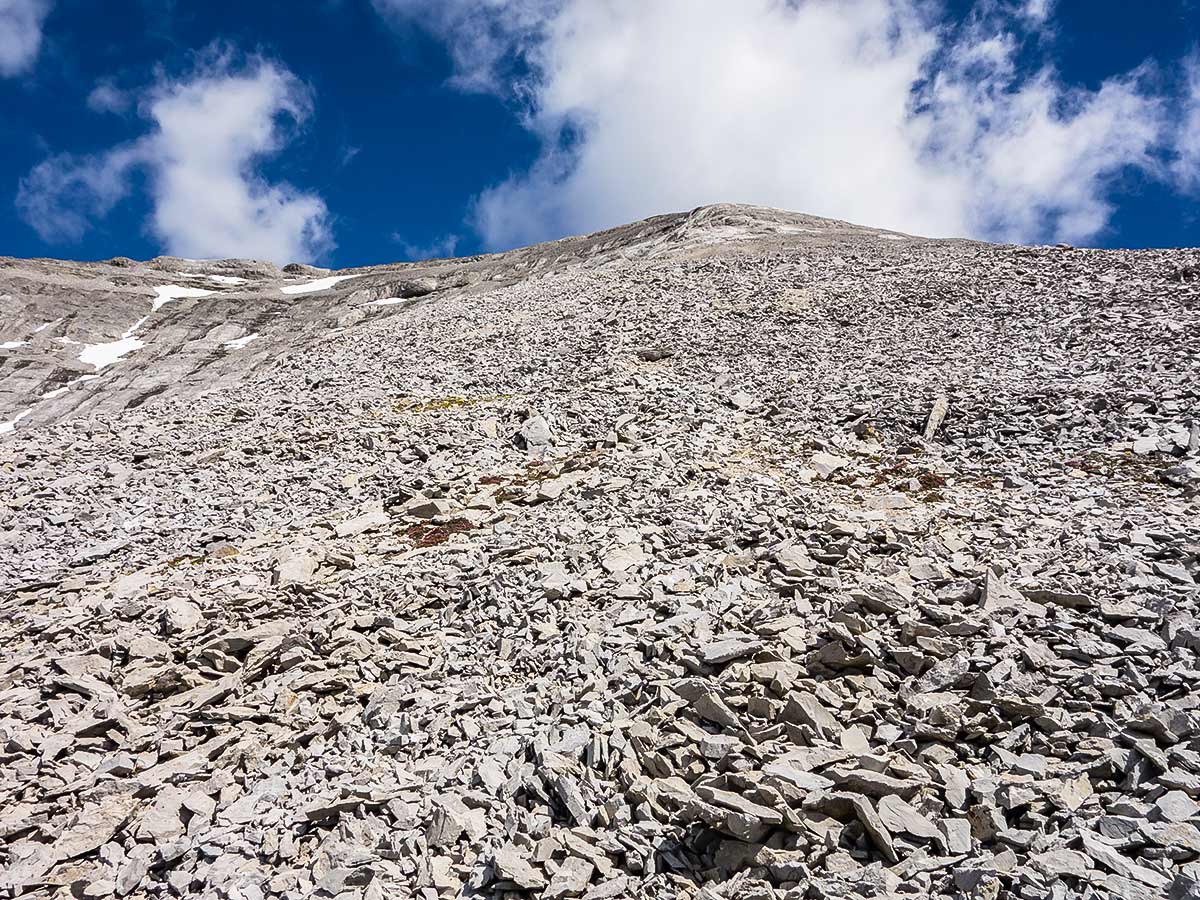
<point>235,315</point>
<point>732,553</point>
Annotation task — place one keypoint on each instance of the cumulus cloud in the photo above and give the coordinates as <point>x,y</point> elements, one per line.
<point>20,34</point>
<point>209,133</point>
<point>877,111</point>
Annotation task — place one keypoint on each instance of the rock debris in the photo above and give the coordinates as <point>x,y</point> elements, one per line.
<point>776,559</point>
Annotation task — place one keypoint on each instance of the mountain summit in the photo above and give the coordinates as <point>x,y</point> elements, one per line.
<point>733,553</point>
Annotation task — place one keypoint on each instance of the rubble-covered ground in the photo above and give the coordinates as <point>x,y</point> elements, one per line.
<point>795,568</point>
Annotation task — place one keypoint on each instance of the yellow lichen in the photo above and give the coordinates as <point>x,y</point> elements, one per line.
<point>437,404</point>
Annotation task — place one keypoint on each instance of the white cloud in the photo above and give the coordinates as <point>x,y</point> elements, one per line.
<point>1186,166</point>
<point>1037,11</point>
<point>63,194</point>
<point>20,34</point>
<point>106,97</point>
<point>874,111</point>
<point>210,131</point>
<point>485,35</point>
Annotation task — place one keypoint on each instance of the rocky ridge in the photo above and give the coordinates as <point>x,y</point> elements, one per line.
<point>731,554</point>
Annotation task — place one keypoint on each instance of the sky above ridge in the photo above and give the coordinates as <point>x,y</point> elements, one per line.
<point>349,132</point>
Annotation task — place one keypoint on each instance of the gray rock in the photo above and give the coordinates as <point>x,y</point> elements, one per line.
<point>1061,862</point>
<point>534,433</point>
<point>512,866</point>
<point>826,464</point>
<point>571,879</point>
<point>294,567</point>
<point>181,615</point>
<point>286,614</point>
<point>422,508</point>
<point>729,649</point>
<point>901,816</point>
<point>937,415</point>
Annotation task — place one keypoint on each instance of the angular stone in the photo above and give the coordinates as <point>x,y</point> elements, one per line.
<point>512,866</point>
<point>900,816</point>
<point>827,464</point>
<point>571,879</point>
<point>804,708</point>
<point>181,615</point>
<point>624,559</point>
<point>795,561</point>
<point>294,567</point>
<point>1061,862</point>
<point>93,826</point>
<point>728,649</point>
<point>422,508</point>
<point>368,521</point>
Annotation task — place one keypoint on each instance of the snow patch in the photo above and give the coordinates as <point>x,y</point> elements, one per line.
<point>167,293</point>
<point>101,355</point>
<point>391,301</point>
<point>320,284</point>
<point>46,325</point>
<point>6,427</point>
<point>215,279</point>
<point>65,340</point>
<point>239,343</point>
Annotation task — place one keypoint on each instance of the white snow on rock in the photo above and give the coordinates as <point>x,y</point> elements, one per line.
<point>13,345</point>
<point>215,279</point>
<point>239,343</point>
<point>58,392</point>
<point>320,284</point>
<point>101,355</point>
<point>391,301</point>
<point>6,427</point>
<point>168,292</point>
<point>65,340</point>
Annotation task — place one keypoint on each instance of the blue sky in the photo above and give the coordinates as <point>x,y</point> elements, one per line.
<point>362,131</point>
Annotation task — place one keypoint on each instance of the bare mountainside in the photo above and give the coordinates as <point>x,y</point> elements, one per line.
<point>729,554</point>
<point>185,327</point>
